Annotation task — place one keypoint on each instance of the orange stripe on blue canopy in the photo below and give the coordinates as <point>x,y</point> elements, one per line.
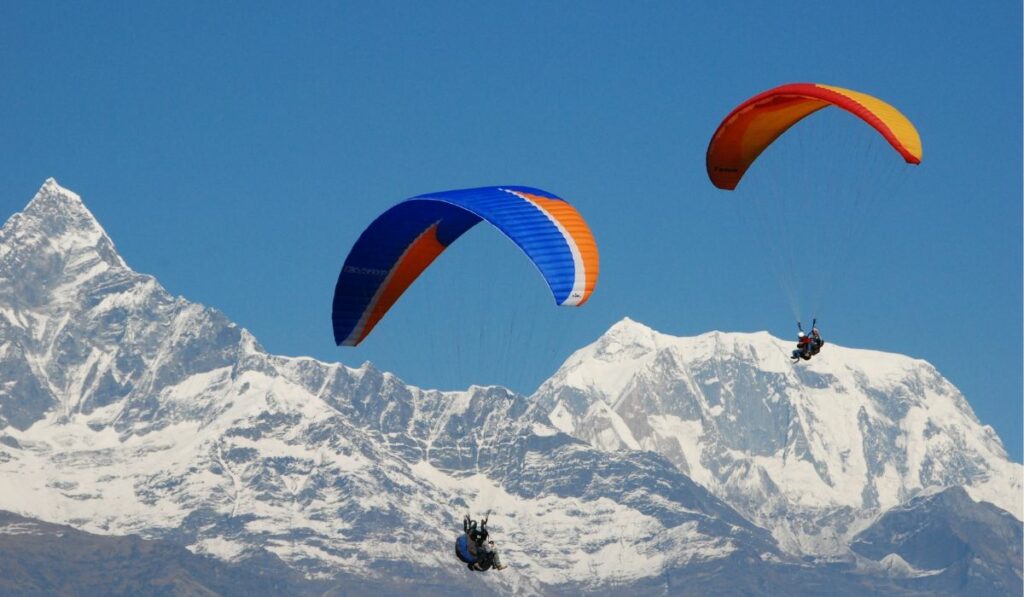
<point>403,241</point>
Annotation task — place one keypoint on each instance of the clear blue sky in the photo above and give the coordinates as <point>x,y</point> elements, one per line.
<point>236,150</point>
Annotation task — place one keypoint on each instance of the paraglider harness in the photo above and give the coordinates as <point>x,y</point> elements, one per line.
<point>469,547</point>
<point>808,346</point>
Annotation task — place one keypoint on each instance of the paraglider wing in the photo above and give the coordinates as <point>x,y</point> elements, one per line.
<point>403,241</point>
<point>759,121</point>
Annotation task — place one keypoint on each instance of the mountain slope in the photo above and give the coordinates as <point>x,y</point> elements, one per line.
<point>812,451</point>
<point>951,538</point>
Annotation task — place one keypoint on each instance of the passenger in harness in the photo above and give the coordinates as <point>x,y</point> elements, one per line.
<point>474,547</point>
<point>816,341</point>
<point>807,346</point>
<point>803,347</point>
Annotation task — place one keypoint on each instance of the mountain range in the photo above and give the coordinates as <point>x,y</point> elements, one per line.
<point>647,463</point>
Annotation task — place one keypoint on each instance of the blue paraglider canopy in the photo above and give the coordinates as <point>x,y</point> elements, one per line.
<point>403,241</point>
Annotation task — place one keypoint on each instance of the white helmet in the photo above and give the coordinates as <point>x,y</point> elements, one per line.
<point>800,334</point>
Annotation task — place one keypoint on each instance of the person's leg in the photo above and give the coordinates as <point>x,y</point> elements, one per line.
<point>492,554</point>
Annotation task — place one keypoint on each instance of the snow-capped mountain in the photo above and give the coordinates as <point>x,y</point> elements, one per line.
<point>812,451</point>
<point>127,410</point>
<point>647,464</point>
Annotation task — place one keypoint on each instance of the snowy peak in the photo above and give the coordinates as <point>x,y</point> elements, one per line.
<point>55,242</point>
<point>602,366</point>
<point>629,348</point>
<point>81,332</point>
<point>606,367</point>
<point>64,217</point>
<point>628,328</point>
<point>626,335</point>
<point>846,435</point>
<point>53,195</point>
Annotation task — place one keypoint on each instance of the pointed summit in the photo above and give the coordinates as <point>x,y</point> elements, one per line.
<point>626,337</point>
<point>51,195</point>
<point>628,323</point>
<point>62,211</point>
<point>51,185</point>
<point>54,237</point>
<point>631,331</point>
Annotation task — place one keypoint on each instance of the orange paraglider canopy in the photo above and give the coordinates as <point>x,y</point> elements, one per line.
<point>759,121</point>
